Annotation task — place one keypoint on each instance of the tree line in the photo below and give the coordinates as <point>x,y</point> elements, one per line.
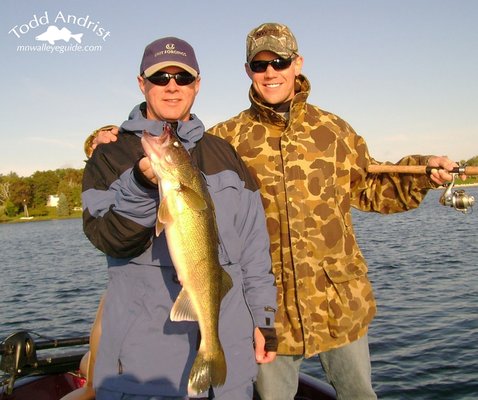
<point>18,194</point>
<point>32,192</point>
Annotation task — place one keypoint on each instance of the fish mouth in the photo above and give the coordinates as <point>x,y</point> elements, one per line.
<point>155,144</point>
<point>167,132</point>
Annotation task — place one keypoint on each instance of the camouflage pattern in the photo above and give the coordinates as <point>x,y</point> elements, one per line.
<point>271,37</point>
<point>311,169</point>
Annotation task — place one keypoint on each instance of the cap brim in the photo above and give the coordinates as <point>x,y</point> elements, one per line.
<point>157,67</point>
<point>279,50</point>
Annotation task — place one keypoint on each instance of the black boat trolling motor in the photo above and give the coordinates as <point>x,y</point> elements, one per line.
<point>18,356</point>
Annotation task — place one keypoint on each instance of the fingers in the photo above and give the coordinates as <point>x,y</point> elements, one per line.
<point>267,357</point>
<point>259,343</point>
<point>105,136</point>
<point>440,174</point>
<point>147,170</point>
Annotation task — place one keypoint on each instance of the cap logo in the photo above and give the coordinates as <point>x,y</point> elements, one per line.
<point>170,48</point>
<point>267,32</point>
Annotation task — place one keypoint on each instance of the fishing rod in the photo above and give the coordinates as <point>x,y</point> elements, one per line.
<point>9,344</point>
<point>418,169</point>
<point>457,199</point>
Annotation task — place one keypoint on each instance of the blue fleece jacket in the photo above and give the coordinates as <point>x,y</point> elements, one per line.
<point>141,350</point>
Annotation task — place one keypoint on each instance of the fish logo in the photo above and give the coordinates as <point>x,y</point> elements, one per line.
<point>53,34</point>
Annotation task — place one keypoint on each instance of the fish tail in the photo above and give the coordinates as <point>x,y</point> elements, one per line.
<point>209,369</point>
<point>77,37</point>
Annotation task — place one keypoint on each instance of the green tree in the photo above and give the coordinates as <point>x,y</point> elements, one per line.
<point>16,190</point>
<point>71,184</point>
<point>22,192</point>
<point>44,184</point>
<point>11,210</point>
<point>472,161</point>
<point>63,210</point>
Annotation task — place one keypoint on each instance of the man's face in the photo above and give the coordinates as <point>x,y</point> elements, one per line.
<point>171,102</point>
<point>274,87</point>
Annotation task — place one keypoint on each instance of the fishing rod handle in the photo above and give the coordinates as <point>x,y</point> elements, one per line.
<point>416,169</point>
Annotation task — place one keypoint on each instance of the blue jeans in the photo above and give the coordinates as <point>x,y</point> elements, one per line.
<point>347,369</point>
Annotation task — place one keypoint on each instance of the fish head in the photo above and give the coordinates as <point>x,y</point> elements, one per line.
<point>50,34</point>
<point>166,153</point>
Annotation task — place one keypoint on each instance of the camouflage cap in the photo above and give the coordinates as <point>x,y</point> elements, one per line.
<point>273,37</point>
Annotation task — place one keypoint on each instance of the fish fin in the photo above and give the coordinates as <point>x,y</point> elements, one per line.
<point>159,227</point>
<point>209,369</point>
<point>193,199</point>
<point>226,283</point>
<point>162,210</point>
<point>183,309</point>
<point>164,216</point>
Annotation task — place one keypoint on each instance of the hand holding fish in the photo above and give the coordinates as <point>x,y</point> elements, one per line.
<point>147,170</point>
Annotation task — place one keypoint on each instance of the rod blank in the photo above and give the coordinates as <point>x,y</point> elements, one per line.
<point>414,169</point>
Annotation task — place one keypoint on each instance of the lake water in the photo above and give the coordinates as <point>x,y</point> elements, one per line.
<point>423,265</point>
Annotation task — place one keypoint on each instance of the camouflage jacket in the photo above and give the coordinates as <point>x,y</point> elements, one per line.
<point>311,169</point>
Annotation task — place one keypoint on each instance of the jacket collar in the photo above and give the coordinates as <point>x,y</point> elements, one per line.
<point>266,113</point>
<point>189,132</point>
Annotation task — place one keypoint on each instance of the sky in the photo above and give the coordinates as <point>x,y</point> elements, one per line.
<point>402,73</point>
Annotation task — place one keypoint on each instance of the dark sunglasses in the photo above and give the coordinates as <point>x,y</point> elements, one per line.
<point>278,64</point>
<point>163,78</point>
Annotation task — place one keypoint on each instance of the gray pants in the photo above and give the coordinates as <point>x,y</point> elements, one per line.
<point>347,368</point>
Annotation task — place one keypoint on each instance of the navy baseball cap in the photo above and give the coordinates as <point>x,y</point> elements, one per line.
<point>166,52</point>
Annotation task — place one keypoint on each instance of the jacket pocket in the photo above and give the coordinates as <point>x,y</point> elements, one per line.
<point>350,301</point>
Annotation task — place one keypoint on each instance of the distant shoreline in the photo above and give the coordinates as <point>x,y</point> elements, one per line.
<point>22,220</point>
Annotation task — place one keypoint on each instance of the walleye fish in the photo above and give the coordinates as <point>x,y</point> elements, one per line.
<point>53,34</point>
<point>186,213</point>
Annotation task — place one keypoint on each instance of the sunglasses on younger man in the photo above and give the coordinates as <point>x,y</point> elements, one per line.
<point>162,78</point>
<point>278,64</point>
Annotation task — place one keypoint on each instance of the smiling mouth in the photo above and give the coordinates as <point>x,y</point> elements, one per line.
<point>272,85</point>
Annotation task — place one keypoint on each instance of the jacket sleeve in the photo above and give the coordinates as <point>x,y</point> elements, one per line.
<point>259,282</point>
<point>118,212</point>
<point>384,193</point>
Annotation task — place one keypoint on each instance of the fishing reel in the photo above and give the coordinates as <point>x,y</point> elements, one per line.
<point>457,199</point>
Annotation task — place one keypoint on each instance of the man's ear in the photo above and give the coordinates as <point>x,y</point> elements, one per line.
<point>141,83</point>
<point>298,64</point>
<point>197,84</point>
<point>248,70</point>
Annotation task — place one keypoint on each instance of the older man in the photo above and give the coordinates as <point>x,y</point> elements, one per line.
<point>142,353</point>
